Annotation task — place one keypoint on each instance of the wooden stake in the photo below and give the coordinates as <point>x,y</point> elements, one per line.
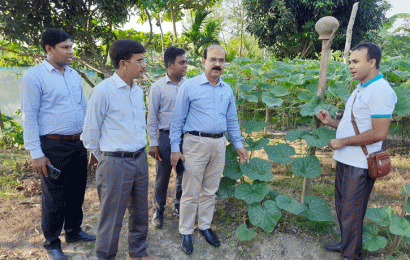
<point>349,32</point>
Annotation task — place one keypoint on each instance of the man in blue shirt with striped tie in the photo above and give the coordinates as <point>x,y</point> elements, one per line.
<point>205,109</point>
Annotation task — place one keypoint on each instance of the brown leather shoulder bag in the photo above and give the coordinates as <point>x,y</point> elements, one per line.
<point>379,164</point>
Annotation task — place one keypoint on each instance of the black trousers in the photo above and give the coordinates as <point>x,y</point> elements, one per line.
<point>163,175</point>
<point>352,191</point>
<point>62,199</point>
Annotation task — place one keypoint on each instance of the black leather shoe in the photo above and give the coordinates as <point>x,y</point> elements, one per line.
<point>176,209</point>
<point>157,220</point>
<point>186,244</point>
<point>78,236</point>
<point>56,254</point>
<point>210,237</point>
<point>333,247</point>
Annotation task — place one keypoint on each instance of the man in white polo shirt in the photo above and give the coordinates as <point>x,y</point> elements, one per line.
<point>373,103</point>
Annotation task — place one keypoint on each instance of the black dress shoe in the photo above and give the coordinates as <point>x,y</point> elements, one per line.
<point>78,236</point>
<point>333,247</point>
<point>186,244</point>
<point>157,220</point>
<point>210,237</point>
<point>56,254</point>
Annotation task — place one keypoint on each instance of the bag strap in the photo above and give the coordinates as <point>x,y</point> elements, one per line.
<point>356,129</point>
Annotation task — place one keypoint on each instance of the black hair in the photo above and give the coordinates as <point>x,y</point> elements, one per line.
<point>52,37</point>
<point>171,54</point>
<point>206,50</point>
<point>373,51</point>
<point>123,50</point>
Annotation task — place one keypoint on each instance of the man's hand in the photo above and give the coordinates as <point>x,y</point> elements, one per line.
<point>154,152</point>
<point>336,144</point>
<point>243,155</point>
<point>324,116</point>
<point>39,165</point>
<point>175,156</point>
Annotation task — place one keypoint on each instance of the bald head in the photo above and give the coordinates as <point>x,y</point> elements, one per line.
<point>211,47</point>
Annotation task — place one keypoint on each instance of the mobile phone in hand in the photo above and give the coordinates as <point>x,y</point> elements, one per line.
<point>180,166</point>
<point>52,172</point>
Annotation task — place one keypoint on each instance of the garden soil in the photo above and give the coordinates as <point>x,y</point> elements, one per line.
<point>21,236</point>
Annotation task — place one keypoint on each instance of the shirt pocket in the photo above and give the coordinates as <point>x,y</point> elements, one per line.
<point>222,103</point>
<point>77,91</point>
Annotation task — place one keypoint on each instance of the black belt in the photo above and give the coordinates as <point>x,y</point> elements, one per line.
<point>125,154</point>
<point>64,137</point>
<point>164,130</point>
<point>206,134</point>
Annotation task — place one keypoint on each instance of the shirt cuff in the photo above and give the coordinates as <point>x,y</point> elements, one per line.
<point>97,153</point>
<point>237,145</point>
<point>35,154</point>
<point>175,148</point>
<point>153,142</point>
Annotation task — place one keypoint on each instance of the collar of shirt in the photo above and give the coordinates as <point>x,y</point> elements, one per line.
<point>168,80</point>
<point>119,83</point>
<point>204,80</point>
<point>380,76</point>
<point>51,67</point>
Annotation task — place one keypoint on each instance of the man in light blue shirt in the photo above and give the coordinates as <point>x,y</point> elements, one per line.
<point>205,109</point>
<point>53,108</point>
<point>162,97</point>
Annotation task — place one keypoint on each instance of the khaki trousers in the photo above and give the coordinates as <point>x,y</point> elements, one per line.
<point>204,164</point>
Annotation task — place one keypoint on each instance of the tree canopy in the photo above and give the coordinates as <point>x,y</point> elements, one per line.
<point>288,26</point>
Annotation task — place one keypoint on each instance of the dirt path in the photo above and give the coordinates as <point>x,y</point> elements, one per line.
<point>21,238</point>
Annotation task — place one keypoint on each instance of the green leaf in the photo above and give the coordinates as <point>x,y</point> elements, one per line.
<point>254,98</point>
<point>245,88</point>
<point>266,216</point>
<point>230,152</point>
<point>276,90</point>
<point>244,234</point>
<point>402,107</point>
<point>309,109</point>
<point>232,169</point>
<point>308,166</point>
<point>253,126</point>
<point>241,61</point>
<point>226,188</point>
<point>312,87</point>
<point>320,137</point>
<point>257,169</point>
<point>400,226</point>
<point>317,209</point>
<point>402,74</point>
<point>290,204</point>
<point>251,193</point>
<point>279,71</point>
<point>381,216</point>
<point>280,153</point>
<point>270,100</point>
<point>371,240</point>
<point>266,87</point>
<point>297,134</point>
<point>254,146</point>
<point>305,96</point>
<point>340,92</point>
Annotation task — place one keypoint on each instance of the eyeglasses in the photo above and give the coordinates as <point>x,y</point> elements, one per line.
<point>140,61</point>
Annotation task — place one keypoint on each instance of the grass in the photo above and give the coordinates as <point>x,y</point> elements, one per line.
<point>9,174</point>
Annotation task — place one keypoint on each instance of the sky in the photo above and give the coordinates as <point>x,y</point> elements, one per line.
<point>398,6</point>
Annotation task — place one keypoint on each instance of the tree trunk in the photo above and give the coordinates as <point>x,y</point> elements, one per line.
<point>349,32</point>
<point>151,32</point>
<point>173,23</point>
<point>1,121</point>
<point>265,129</point>
<point>162,34</point>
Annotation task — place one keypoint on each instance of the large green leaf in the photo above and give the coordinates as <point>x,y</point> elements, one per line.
<point>340,92</point>
<point>253,126</point>
<point>309,109</point>
<point>244,234</point>
<point>308,166</point>
<point>279,71</point>
<point>266,87</point>
<point>402,74</point>
<point>312,87</point>
<point>280,153</point>
<point>245,88</point>
<point>254,146</point>
<point>320,137</point>
<point>241,61</point>
<point>253,97</point>
<point>371,240</point>
<point>257,169</point>
<point>226,188</point>
<point>266,216</point>
<point>270,100</point>
<point>297,134</point>
<point>305,96</point>
<point>297,79</point>
<point>252,193</point>
<point>290,204</point>
<point>381,216</point>
<point>317,209</point>
<point>230,152</point>
<point>232,169</point>
<point>402,107</point>
<point>400,226</point>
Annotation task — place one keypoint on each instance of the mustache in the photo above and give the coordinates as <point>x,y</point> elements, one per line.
<point>216,68</point>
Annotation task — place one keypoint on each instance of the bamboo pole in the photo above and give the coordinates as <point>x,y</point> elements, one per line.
<point>349,32</point>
